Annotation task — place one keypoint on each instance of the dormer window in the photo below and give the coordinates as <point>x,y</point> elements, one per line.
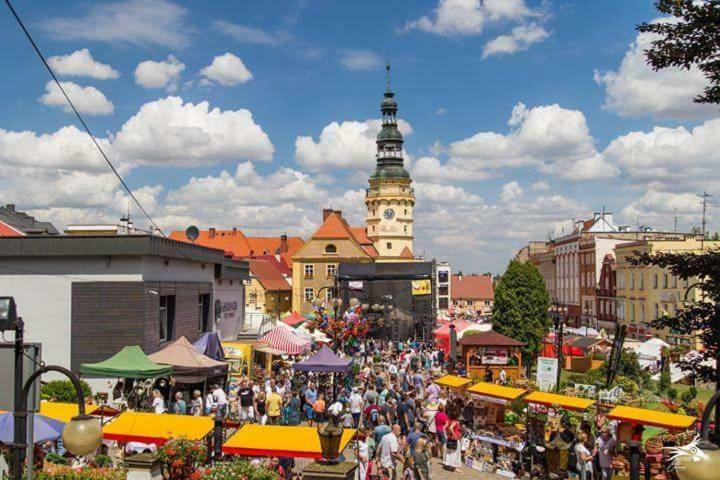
<point>330,248</point>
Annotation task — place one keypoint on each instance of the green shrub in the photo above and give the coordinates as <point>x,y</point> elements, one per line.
<point>102,461</point>
<point>688,395</point>
<point>672,393</point>
<point>62,391</point>
<point>628,385</point>
<point>237,469</point>
<point>664,383</point>
<point>55,459</point>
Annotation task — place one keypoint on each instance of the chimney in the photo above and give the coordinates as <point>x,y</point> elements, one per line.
<point>326,213</point>
<point>10,206</point>
<point>338,213</point>
<point>283,243</point>
<point>234,231</point>
<point>211,232</point>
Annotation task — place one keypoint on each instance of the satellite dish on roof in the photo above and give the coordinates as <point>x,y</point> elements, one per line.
<point>192,233</point>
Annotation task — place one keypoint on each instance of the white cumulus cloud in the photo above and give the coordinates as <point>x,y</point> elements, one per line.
<point>468,17</point>
<point>519,39</point>
<point>635,90</point>
<point>88,100</point>
<point>350,144</point>
<point>171,132</point>
<point>80,63</point>
<point>164,74</point>
<point>228,70</point>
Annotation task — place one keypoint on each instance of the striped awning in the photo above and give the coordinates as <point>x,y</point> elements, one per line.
<point>282,339</point>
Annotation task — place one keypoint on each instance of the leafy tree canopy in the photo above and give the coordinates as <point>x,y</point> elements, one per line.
<point>700,318</point>
<point>521,307</point>
<point>691,38</point>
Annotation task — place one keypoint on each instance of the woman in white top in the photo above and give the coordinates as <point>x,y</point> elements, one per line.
<point>584,457</point>
<point>158,402</point>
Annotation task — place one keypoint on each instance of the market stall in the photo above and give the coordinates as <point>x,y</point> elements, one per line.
<point>156,429</point>
<point>496,440</point>
<point>130,362</point>
<point>66,411</point>
<point>44,428</point>
<point>283,339</point>
<point>442,334</point>
<point>189,365</point>
<point>651,455</point>
<point>453,382</point>
<point>210,345</point>
<point>294,319</point>
<point>279,441</point>
<point>491,351</point>
<point>325,361</point>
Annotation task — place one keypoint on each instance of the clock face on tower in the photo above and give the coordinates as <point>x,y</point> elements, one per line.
<point>389,214</point>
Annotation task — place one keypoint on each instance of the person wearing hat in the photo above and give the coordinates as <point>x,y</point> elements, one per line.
<point>356,406</point>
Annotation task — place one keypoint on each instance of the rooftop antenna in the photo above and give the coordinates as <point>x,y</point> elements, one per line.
<point>704,203</point>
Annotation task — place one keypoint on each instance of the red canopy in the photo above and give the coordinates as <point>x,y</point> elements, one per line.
<point>294,319</point>
<point>283,339</point>
<point>442,334</point>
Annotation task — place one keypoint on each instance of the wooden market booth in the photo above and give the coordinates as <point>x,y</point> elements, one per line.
<point>483,350</point>
<point>651,418</point>
<point>255,440</point>
<point>453,382</point>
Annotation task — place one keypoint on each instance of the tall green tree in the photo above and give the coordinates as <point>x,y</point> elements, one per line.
<point>701,318</point>
<point>689,36</point>
<point>521,307</point>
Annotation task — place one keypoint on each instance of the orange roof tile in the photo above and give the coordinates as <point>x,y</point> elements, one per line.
<point>268,274</point>
<point>8,231</point>
<point>235,243</point>
<point>333,227</point>
<point>361,235</point>
<point>370,250</point>
<point>471,287</point>
<point>406,253</point>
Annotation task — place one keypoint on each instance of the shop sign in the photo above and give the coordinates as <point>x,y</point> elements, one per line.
<point>421,287</point>
<point>495,356</point>
<point>547,373</point>
<point>355,285</point>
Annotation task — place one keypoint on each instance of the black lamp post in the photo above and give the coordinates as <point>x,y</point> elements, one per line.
<point>81,435</point>
<point>558,315</point>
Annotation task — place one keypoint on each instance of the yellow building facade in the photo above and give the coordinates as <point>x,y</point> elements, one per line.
<point>646,293</point>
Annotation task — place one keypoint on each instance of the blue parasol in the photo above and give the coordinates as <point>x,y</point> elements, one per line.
<point>45,428</point>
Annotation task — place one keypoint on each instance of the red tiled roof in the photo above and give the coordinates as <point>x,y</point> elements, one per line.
<point>361,235</point>
<point>235,243</point>
<point>370,250</point>
<point>268,275</point>
<point>406,253</point>
<point>279,264</point>
<point>475,287</point>
<point>334,226</point>
<point>8,231</point>
<point>490,338</point>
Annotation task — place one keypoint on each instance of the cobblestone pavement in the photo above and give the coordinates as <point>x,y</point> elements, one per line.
<point>437,472</point>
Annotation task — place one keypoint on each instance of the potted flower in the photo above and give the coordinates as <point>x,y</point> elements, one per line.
<point>181,457</point>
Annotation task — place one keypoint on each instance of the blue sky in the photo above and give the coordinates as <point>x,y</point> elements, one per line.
<point>520,116</point>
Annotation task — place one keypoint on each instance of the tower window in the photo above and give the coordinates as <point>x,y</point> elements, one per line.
<point>405,227</point>
<point>331,248</point>
<point>389,245</point>
<point>406,211</point>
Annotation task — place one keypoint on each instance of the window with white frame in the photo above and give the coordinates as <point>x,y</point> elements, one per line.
<point>641,281</point>
<point>331,270</point>
<point>309,270</point>
<point>665,280</point>
<point>655,281</point>
<point>632,281</point>
<point>308,294</point>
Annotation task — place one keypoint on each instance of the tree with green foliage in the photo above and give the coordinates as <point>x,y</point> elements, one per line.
<point>699,318</point>
<point>665,382</point>
<point>521,308</point>
<point>629,366</point>
<point>688,37</point>
<point>62,391</point>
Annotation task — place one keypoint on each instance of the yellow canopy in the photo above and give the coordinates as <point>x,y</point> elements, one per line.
<point>452,381</point>
<point>496,391</point>
<point>279,441</point>
<point>155,428</point>
<point>652,418</point>
<point>562,401</point>
<point>63,411</point>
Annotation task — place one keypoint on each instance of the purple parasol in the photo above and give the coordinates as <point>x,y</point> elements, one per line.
<point>45,428</point>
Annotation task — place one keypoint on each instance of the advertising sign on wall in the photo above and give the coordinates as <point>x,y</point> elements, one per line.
<point>495,356</point>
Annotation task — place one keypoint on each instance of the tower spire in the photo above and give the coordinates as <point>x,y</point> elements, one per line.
<point>387,68</point>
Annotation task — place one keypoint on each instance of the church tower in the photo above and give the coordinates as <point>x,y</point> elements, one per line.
<point>390,200</point>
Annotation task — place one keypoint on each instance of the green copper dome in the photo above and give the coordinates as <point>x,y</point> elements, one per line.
<point>389,140</point>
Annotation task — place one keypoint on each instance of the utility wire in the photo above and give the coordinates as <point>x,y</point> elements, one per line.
<point>77,114</point>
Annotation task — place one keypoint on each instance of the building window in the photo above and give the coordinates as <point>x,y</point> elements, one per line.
<point>443,290</point>
<point>641,281</point>
<point>686,283</point>
<point>443,303</point>
<point>331,270</point>
<point>443,276</point>
<point>655,281</point>
<point>656,311</point>
<point>621,281</point>
<point>309,270</point>
<point>632,312</point>
<point>167,318</point>
<point>328,295</point>
<point>674,281</point>
<point>203,312</point>
<point>330,248</point>
<point>632,281</point>
<point>252,297</point>
<point>389,245</point>
<point>665,280</point>
<point>641,319</point>
<point>309,294</point>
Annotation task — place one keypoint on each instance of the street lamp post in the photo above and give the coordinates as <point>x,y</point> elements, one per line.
<point>81,435</point>
<point>559,323</point>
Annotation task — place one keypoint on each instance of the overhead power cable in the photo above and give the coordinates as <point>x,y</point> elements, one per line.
<point>82,122</point>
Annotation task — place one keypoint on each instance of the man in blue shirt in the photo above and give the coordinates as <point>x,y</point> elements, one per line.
<point>310,398</point>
